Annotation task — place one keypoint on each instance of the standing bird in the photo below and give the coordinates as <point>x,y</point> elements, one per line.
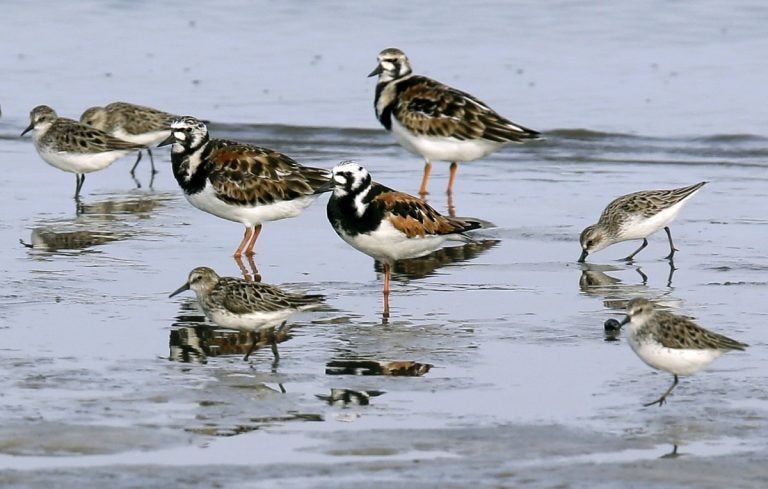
<point>672,343</point>
<point>436,121</point>
<point>135,123</point>
<point>72,146</point>
<point>385,224</point>
<point>636,216</point>
<point>245,306</point>
<point>239,181</point>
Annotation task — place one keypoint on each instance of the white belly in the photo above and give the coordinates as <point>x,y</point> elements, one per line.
<point>443,148</point>
<point>254,321</point>
<point>387,244</point>
<point>148,139</point>
<point>81,162</point>
<point>673,360</point>
<point>207,201</point>
<point>639,227</point>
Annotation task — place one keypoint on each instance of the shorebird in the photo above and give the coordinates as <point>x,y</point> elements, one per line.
<point>243,305</point>
<point>636,216</point>
<point>238,181</point>
<point>436,121</point>
<point>74,147</point>
<point>672,343</point>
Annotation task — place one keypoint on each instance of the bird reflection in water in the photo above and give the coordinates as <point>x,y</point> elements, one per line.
<point>426,266</point>
<point>258,309</point>
<point>449,204</point>
<point>50,238</point>
<point>194,344</point>
<point>252,274</point>
<point>345,397</point>
<point>673,454</point>
<point>614,293</point>
<point>377,367</point>
<point>95,224</point>
<point>193,339</point>
<point>141,205</point>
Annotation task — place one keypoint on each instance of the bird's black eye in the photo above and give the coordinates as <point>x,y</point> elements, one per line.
<point>589,243</point>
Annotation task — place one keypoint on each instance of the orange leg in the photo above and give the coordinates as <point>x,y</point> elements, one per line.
<point>452,177</point>
<point>246,274</point>
<point>387,269</point>
<point>248,234</point>
<point>451,207</point>
<point>427,170</point>
<point>251,275</point>
<point>256,232</point>
<point>255,269</point>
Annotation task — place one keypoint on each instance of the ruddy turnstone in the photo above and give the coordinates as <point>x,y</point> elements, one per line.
<point>672,343</point>
<point>636,216</point>
<point>436,121</point>
<point>72,146</point>
<point>130,122</point>
<point>245,306</point>
<point>238,181</point>
<point>385,224</point>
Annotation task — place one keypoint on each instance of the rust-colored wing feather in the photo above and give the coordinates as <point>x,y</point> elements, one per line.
<point>414,217</point>
<point>428,107</point>
<point>244,174</point>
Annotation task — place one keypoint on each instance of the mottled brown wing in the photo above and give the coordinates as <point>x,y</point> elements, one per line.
<point>241,297</point>
<point>414,217</point>
<point>650,202</point>
<point>244,174</point>
<point>137,119</point>
<point>428,107</point>
<point>686,333</point>
<point>88,139</point>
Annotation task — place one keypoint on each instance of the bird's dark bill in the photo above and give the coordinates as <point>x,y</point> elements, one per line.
<point>180,289</point>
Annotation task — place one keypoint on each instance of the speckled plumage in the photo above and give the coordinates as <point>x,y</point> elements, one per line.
<point>636,216</point>
<point>238,181</point>
<point>135,123</point>
<point>435,120</point>
<point>72,146</point>
<point>242,305</point>
<point>673,343</point>
<point>135,120</point>
<point>385,224</point>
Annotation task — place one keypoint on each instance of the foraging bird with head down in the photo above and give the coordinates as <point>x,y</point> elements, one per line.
<point>636,216</point>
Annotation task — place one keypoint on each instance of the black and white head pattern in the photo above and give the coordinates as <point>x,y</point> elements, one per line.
<point>188,134</point>
<point>349,177</point>
<point>393,64</point>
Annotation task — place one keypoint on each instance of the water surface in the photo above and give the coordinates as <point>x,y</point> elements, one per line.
<point>104,379</point>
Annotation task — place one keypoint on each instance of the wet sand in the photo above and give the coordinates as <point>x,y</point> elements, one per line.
<point>107,381</point>
<point>513,329</point>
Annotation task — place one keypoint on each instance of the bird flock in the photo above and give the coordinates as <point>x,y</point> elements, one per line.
<point>253,185</point>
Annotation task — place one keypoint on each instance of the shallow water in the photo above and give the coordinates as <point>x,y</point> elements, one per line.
<point>109,381</point>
